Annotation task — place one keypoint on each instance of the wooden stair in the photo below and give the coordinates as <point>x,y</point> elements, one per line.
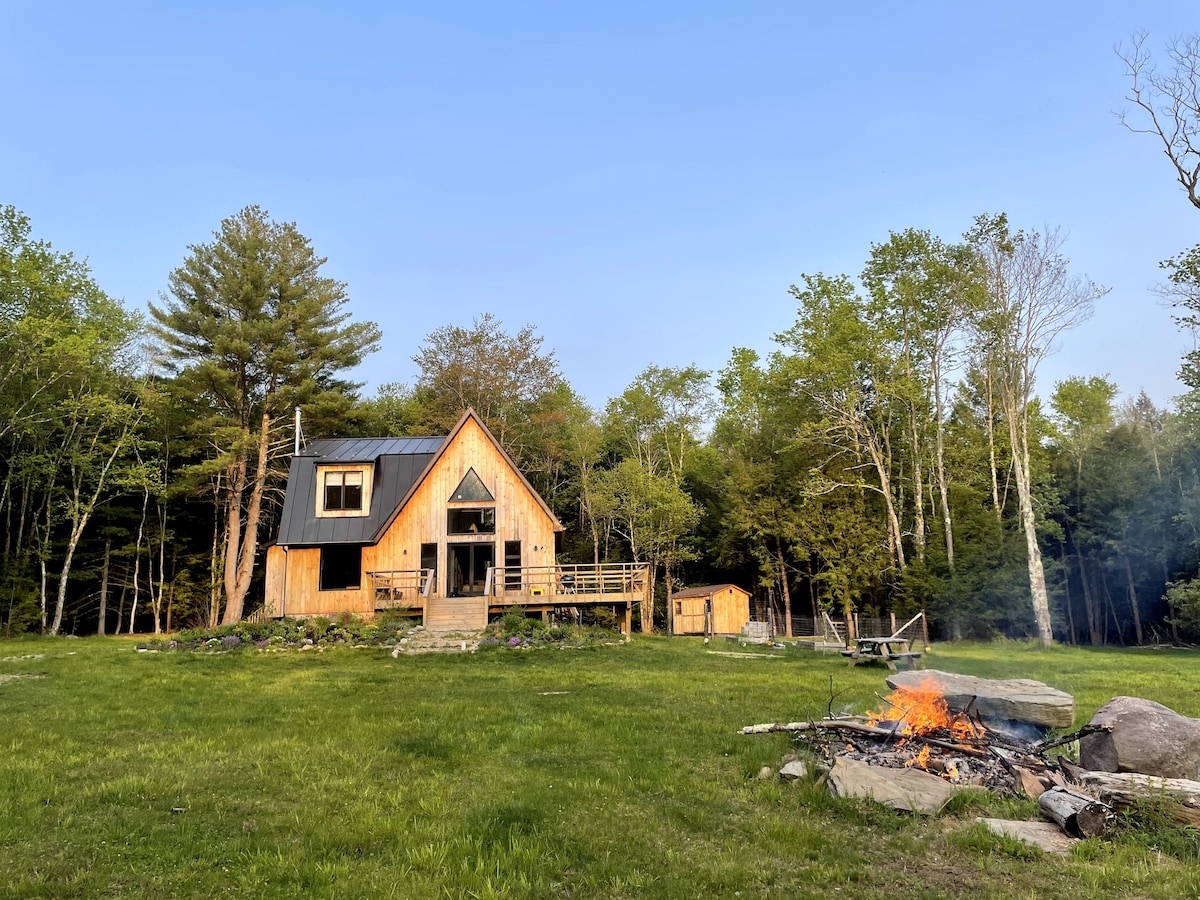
<point>456,613</point>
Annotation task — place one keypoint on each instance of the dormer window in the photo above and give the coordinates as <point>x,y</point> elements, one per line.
<point>343,491</point>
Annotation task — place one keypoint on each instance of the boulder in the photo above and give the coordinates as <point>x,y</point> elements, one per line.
<point>1040,834</point>
<point>909,790</point>
<point>794,770</point>
<point>995,702</point>
<point>1144,737</point>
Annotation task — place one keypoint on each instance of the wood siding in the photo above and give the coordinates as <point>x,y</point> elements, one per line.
<point>731,610</point>
<point>519,517</point>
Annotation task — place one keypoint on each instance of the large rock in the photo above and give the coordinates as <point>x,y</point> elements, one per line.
<point>996,702</point>
<point>1145,737</point>
<point>1047,836</point>
<point>910,790</point>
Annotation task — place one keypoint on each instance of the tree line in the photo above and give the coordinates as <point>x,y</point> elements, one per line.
<point>891,454</point>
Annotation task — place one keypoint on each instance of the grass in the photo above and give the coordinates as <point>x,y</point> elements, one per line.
<point>348,772</point>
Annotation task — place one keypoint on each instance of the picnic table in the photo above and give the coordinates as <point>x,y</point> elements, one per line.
<point>887,650</point>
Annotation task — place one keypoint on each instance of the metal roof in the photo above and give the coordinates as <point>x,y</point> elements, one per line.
<point>352,450</point>
<point>398,462</point>
<point>706,590</point>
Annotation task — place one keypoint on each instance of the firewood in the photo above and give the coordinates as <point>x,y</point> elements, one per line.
<point>860,728</point>
<point>1024,781</point>
<point>1076,814</point>
<point>1179,797</point>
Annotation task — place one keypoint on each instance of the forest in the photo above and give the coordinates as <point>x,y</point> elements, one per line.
<point>894,453</point>
<point>891,455</point>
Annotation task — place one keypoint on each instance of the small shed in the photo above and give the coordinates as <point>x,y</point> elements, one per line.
<point>730,607</point>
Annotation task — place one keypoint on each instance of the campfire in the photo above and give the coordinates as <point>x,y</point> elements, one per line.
<point>919,746</point>
<point>922,711</point>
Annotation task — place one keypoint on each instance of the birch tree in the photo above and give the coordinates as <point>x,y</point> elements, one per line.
<point>1032,299</point>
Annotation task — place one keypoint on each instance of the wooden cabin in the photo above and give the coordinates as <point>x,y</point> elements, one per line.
<point>444,527</point>
<point>728,605</point>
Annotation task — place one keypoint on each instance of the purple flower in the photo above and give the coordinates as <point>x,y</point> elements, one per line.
<point>514,641</point>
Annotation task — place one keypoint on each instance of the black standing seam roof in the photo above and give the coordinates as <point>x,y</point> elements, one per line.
<point>398,462</point>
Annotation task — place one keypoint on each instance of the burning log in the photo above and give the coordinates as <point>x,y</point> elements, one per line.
<point>861,728</point>
<point>1076,814</point>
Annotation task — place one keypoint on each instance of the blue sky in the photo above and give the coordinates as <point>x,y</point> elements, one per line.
<point>640,181</point>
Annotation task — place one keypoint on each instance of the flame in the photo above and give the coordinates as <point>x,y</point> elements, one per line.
<point>923,709</point>
<point>921,759</point>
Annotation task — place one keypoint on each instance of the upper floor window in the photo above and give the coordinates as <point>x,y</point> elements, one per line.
<point>471,521</point>
<point>343,491</point>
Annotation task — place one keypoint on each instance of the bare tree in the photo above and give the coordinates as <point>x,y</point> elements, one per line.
<point>1032,299</point>
<point>1171,101</point>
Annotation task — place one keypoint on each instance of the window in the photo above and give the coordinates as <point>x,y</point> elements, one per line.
<point>512,565</point>
<point>429,553</point>
<point>471,521</point>
<point>341,567</point>
<point>343,490</point>
<point>472,489</point>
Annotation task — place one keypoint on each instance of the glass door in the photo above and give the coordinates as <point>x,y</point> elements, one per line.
<point>469,564</point>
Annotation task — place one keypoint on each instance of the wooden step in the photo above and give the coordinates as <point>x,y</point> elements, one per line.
<point>456,614</point>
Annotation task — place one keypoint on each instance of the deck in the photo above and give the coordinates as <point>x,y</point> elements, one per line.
<point>541,589</point>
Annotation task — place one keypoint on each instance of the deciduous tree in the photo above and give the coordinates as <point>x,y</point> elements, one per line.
<point>1032,298</point>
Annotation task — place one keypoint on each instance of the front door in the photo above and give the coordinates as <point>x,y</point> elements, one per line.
<point>469,564</point>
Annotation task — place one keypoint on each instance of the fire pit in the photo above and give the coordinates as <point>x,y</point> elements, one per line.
<point>914,751</point>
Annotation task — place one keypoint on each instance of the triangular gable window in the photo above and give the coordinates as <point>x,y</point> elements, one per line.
<point>471,489</point>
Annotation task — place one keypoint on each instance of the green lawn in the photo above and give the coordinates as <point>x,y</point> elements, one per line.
<point>613,772</point>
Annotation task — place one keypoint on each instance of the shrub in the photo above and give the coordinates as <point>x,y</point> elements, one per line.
<point>1183,599</point>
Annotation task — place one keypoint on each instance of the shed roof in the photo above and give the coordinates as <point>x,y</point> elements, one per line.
<point>706,590</point>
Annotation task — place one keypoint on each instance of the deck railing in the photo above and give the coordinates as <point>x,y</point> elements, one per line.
<point>401,587</point>
<point>567,581</point>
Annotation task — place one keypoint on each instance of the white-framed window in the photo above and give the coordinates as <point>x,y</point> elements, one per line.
<point>343,491</point>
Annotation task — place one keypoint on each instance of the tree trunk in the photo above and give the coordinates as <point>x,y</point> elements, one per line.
<point>787,594</point>
<point>647,610</point>
<point>240,568</point>
<point>156,597</point>
<point>6,504</point>
<point>1089,601</point>
<point>104,585</point>
<point>670,605</point>
<point>1062,553</point>
<point>121,607</point>
<point>137,564</point>
<point>214,566</point>
<point>940,471</point>
<point>991,438</point>
<point>1133,600</point>
<point>895,533</point>
<point>918,494</point>
<point>1038,594</point>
